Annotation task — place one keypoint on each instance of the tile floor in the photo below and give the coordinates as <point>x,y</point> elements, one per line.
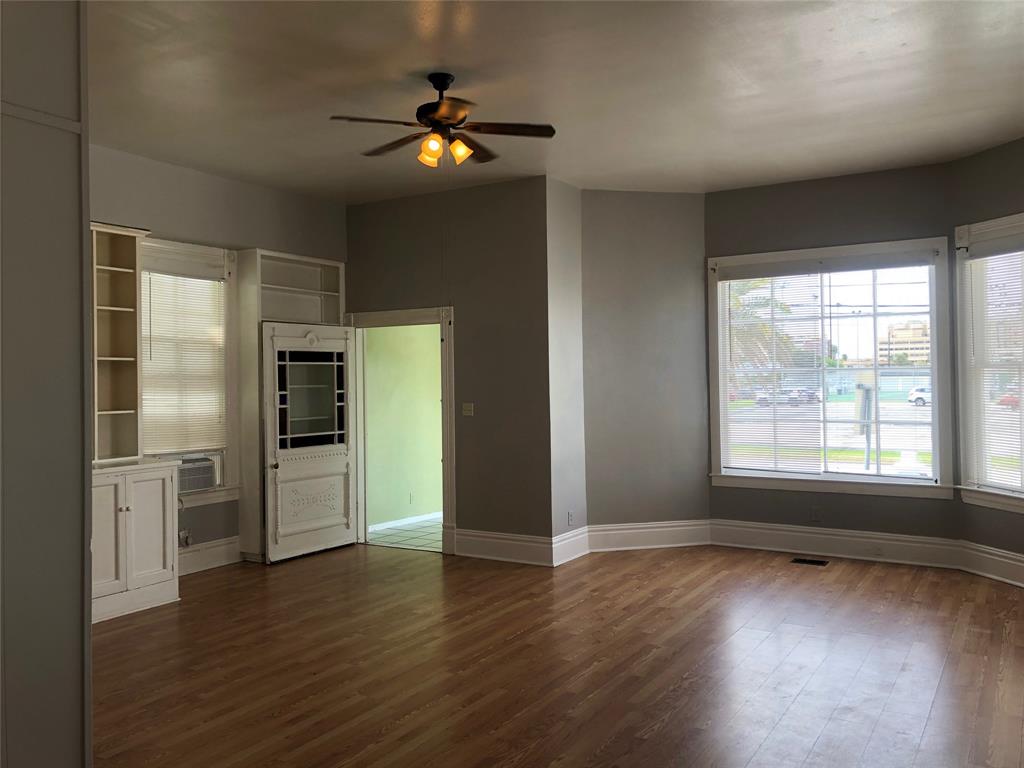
<point>423,534</point>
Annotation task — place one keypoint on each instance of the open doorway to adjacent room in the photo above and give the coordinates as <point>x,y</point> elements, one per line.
<point>405,363</point>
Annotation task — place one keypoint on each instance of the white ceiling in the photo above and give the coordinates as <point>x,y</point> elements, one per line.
<point>645,96</point>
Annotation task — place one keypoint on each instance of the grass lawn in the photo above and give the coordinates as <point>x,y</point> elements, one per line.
<point>838,455</point>
<point>1005,462</point>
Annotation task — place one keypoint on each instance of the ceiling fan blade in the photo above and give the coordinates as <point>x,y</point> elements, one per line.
<point>481,154</point>
<point>391,146</point>
<point>511,129</point>
<point>452,109</point>
<point>377,120</point>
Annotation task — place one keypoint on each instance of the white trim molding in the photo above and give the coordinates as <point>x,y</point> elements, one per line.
<point>772,537</point>
<point>870,545</point>
<point>510,547</point>
<point>132,600</point>
<point>867,486</point>
<point>1008,502</point>
<point>405,521</point>
<point>671,533</point>
<point>569,546</point>
<point>209,554</point>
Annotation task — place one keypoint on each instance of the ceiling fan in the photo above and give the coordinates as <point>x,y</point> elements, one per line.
<point>447,121</point>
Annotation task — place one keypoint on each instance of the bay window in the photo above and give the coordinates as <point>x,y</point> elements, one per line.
<point>991,299</point>
<point>829,366</point>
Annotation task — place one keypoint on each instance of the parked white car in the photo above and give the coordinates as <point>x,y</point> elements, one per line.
<point>920,396</point>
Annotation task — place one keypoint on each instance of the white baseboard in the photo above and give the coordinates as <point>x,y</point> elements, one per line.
<point>513,548</point>
<point>209,554</point>
<point>830,542</point>
<point>111,606</point>
<point>869,545</point>
<point>405,521</point>
<point>570,545</point>
<point>671,533</point>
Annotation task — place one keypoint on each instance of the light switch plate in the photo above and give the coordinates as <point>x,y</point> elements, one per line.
<point>467,409</point>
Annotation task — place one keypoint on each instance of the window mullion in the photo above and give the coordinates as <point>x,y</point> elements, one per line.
<point>878,393</point>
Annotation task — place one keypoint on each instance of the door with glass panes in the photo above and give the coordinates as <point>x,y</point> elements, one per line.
<point>310,460</point>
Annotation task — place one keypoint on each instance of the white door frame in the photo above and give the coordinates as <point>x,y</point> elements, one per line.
<point>444,318</point>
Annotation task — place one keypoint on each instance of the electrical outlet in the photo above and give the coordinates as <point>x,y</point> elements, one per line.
<point>570,517</point>
<point>185,537</point>
<point>468,409</point>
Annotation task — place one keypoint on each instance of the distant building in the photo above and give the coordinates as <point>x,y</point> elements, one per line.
<point>905,344</point>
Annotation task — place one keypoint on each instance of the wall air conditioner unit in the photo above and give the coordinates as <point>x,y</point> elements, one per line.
<point>198,474</point>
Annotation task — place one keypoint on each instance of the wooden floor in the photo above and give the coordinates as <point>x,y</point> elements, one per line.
<point>370,656</point>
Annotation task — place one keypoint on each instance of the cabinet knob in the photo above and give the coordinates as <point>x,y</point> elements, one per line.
<point>128,509</point>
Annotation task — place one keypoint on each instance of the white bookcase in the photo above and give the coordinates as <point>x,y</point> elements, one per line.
<point>116,280</point>
<point>280,288</point>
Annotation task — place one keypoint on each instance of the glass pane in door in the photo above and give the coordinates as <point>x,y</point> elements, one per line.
<point>306,402</point>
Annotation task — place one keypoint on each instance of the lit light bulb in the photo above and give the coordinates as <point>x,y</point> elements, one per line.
<point>432,147</point>
<point>459,151</point>
<point>430,162</point>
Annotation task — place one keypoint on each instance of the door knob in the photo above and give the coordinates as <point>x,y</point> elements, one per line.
<point>276,465</point>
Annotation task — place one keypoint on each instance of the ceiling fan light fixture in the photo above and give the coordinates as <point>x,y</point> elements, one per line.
<point>459,151</point>
<point>427,160</point>
<point>433,146</point>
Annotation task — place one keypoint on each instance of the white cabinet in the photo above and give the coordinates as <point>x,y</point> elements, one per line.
<point>134,531</point>
<point>151,514</point>
<point>109,547</point>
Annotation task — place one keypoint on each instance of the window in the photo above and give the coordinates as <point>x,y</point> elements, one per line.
<point>183,362</point>
<point>991,291</point>
<point>826,364</point>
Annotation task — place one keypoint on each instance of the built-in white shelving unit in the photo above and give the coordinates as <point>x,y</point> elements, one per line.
<point>282,288</point>
<point>299,290</point>
<point>116,281</point>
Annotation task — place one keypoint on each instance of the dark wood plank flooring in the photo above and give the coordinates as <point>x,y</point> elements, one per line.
<point>698,657</point>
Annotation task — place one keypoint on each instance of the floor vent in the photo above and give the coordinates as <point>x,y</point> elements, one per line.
<point>808,561</point>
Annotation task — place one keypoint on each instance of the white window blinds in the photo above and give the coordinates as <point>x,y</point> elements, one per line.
<point>992,339</point>
<point>183,360</point>
<point>828,373</point>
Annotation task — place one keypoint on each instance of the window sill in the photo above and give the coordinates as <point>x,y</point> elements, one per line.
<point>888,487</point>
<point>1006,501</point>
<point>212,496</point>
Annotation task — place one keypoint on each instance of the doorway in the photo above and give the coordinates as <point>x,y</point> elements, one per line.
<point>404,366</point>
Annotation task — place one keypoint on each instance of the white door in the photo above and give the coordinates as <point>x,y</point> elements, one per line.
<point>109,548</point>
<point>309,491</point>
<point>151,501</point>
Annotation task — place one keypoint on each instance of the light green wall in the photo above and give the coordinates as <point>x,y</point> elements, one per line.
<point>403,422</point>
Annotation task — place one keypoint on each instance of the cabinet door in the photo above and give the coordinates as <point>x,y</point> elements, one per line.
<point>109,542</point>
<point>150,515</point>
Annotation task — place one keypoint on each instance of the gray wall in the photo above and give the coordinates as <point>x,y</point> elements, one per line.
<point>565,357</point>
<point>210,522</point>
<point>182,204</point>
<point>45,433</point>
<point>643,357</point>
<point>483,251</point>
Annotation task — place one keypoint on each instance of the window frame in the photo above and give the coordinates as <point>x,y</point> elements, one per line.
<point>983,234</point>
<point>862,256</point>
<point>204,262</point>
